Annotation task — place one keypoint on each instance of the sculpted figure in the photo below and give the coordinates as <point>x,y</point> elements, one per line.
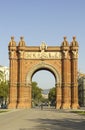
<point>43,47</point>
<point>65,53</point>
<point>12,42</point>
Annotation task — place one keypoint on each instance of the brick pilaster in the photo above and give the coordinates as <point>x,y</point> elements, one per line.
<point>58,96</point>
<point>74,74</point>
<point>65,77</point>
<point>13,73</point>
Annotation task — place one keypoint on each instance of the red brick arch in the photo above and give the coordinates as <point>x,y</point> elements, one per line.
<point>43,66</point>
<point>59,60</point>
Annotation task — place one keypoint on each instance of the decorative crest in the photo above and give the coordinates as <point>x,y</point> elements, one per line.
<point>65,42</point>
<point>74,42</point>
<point>22,42</point>
<point>12,42</point>
<point>43,46</point>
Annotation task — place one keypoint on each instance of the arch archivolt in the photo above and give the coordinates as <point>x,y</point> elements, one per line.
<point>43,66</point>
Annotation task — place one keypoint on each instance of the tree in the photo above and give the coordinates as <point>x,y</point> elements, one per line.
<point>36,93</point>
<point>52,95</point>
<point>1,76</point>
<point>4,88</point>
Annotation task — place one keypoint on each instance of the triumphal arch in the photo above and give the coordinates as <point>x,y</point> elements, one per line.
<point>61,61</point>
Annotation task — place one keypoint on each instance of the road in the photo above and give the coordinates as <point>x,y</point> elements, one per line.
<point>37,119</point>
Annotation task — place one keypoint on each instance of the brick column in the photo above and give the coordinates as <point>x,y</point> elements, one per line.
<point>21,82</point>
<point>13,86</point>
<point>13,73</point>
<point>74,89</point>
<point>58,96</point>
<point>65,84</point>
<point>74,74</point>
<point>29,95</point>
<point>74,86</point>
<point>23,89</point>
<point>65,77</point>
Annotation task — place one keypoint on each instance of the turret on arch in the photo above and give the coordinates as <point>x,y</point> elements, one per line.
<point>27,60</point>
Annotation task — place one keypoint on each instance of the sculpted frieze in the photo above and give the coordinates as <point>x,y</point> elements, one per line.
<point>42,55</point>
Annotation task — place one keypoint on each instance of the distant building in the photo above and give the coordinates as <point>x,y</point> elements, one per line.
<point>45,93</point>
<point>81,89</point>
<point>5,71</point>
<point>45,96</point>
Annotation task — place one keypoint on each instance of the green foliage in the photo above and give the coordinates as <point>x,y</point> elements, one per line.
<point>3,111</point>
<point>4,88</point>
<point>82,112</point>
<point>44,100</point>
<point>1,75</point>
<point>52,95</point>
<point>36,93</point>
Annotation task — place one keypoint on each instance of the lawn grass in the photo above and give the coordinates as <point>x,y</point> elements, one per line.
<point>79,112</point>
<point>1,111</point>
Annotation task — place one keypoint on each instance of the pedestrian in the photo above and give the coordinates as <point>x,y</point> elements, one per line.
<point>42,106</point>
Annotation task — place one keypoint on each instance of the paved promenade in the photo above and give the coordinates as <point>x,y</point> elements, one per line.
<point>36,119</point>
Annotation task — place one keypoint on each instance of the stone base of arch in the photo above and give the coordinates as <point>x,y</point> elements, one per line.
<point>75,106</point>
<point>66,106</point>
<point>58,106</point>
<point>58,96</point>
<point>12,106</point>
<point>19,105</point>
<point>24,105</point>
<point>28,105</point>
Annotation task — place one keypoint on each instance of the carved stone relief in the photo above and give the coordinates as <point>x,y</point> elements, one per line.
<point>65,53</point>
<point>75,54</point>
<point>42,55</point>
<point>43,47</point>
<point>21,54</point>
<point>11,54</point>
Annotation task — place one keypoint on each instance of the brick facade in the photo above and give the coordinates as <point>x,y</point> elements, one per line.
<point>59,60</point>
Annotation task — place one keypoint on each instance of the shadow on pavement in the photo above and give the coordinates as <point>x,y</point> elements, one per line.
<point>54,124</point>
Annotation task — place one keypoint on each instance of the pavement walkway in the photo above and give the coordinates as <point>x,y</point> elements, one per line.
<point>37,119</point>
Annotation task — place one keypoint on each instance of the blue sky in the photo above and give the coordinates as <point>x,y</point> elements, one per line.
<point>42,20</point>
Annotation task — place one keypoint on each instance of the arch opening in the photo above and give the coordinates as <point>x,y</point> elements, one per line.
<point>44,78</point>
<point>43,89</point>
<point>51,70</point>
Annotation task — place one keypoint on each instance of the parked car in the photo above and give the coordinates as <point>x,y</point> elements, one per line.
<point>3,106</point>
